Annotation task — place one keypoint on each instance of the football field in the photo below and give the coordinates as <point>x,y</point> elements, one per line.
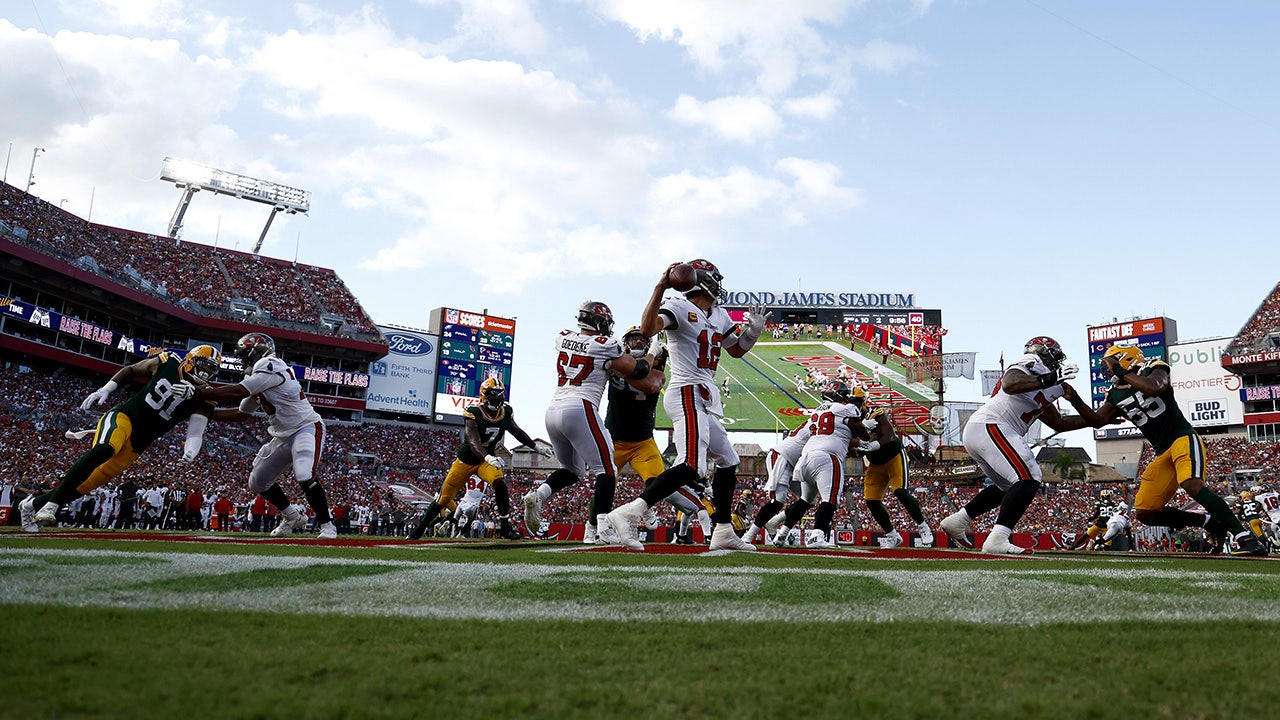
<point>104,625</point>
<point>763,394</point>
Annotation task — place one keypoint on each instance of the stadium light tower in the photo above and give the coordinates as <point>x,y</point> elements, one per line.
<point>192,178</point>
<point>31,176</point>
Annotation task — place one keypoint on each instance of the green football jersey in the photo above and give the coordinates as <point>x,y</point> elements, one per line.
<point>631,414</point>
<point>1159,418</point>
<point>492,431</point>
<point>154,409</point>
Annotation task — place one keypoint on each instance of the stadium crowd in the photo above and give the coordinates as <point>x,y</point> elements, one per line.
<point>365,466</point>
<point>183,274</point>
<point>1265,320</point>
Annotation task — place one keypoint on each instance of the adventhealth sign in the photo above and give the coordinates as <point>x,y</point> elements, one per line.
<point>821,299</point>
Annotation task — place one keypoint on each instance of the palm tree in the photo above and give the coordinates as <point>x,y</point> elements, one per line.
<point>1062,464</point>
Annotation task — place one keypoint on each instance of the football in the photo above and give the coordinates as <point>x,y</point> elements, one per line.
<point>682,277</point>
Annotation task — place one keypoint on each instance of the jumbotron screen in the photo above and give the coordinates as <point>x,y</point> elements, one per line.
<point>473,347</point>
<point>892,352</point>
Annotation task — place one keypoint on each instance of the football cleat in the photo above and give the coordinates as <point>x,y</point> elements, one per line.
<point>723,538</point>
<point>328,531</point>
<point>47,516</point>
<point>1246,543</point>
<point>289,521</point>
<point>532,512</point>
<point>780,537</point>
<point>821,541</point>
<point>650,519</point>
<point>956,526</point>
<point>625,520</point>
<point>999,544</point>
<point>926,535</point>
<point>27,513</point>
<point>506,532</point>
<point>590,536</point>
<point>890,540</point>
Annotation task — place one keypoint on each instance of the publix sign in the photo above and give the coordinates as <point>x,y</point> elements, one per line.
<point>1207,394</point>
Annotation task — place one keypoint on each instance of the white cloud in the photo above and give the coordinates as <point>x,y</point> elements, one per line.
<point>780,40</point>
<point>816,107</point>
<point>887,57</point>
<point>740,119</point>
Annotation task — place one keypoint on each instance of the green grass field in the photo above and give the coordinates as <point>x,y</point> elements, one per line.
<point>762,387</point>
<point>101,627</point>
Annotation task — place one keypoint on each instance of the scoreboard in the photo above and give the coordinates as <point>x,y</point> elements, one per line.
<point>1151,335</point>
<point>473,347</point>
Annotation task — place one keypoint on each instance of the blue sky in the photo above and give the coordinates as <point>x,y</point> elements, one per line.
<point>1028,167</point>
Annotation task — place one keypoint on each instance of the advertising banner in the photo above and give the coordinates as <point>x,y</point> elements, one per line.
<point>1207,394</point>
<point>405,380</point>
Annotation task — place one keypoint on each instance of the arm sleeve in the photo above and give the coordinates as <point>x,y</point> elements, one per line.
<point>195,436</point>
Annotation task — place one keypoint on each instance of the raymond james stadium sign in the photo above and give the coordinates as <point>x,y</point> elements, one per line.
<point>821,299</point>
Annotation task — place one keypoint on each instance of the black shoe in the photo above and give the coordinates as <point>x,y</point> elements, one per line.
<point>1247,544</point>
<point>509,533</point>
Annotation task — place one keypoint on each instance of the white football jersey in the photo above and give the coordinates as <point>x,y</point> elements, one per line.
<point>1270,502</point>
<point>271,382</point>
<point>830,429</point>
<point>1019,411</point>
<point>792,445</point>
<point>694,341</point>
<point>582,365</point>
<point>476,491</point>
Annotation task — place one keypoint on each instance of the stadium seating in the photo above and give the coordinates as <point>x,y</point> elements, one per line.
<point>197,277</point>
<point>1254,336</point>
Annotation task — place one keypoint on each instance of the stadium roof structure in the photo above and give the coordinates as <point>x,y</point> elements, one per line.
<point>193,177</point>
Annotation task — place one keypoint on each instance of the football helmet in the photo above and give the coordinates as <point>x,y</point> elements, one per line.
<point>1246,496</point>
<point>1128,357</point>
<point>201,364</point>
<point>596,316</point>
<point>493,393</point>
<point>709,280</point>
<point>838,392</point>
<point>1104,494</point>
<point>253,347</point>
<point>1256,489</point>
<point>1047,349</point>
<point>636,342</point>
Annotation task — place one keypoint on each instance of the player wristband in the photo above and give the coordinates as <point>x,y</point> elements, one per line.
<point>1047,380</point>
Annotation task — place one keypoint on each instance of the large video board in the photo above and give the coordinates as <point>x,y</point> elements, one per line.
<point>1152,335</point>
<point>883,349</point>
<point>473,347</point>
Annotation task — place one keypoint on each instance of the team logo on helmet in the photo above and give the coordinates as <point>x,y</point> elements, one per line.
<point>201,364</point>
<point>1047,349</point>
<point>493,393</point>
<point>709,280</point>
<point>596,316</point>
<point>253,347</point>
<point>1128,357</point>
